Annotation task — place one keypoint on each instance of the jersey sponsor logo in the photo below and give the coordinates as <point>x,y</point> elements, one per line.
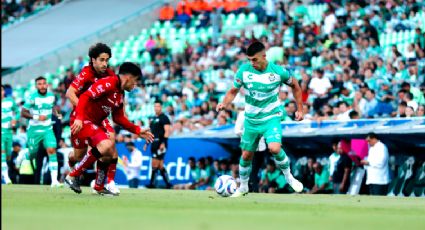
<point>249,76</point>
<point>100,89</point>
<point>249,86</point>
<point>107,109</point>
<point>94,127</point>
<point>108,85</point>
<point>92,93</point>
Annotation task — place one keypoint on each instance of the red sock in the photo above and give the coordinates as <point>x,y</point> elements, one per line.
<point>87,161</point>
<point>101,171</point>
<point>112,169</point>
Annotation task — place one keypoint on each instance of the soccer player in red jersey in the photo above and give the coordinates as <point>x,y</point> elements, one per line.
<point>104,97</point>
<point>98,68</point>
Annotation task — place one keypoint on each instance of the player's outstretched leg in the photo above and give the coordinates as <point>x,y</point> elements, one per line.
<point>282,162</point>
<point>245,167</point>
<point>87,161</point>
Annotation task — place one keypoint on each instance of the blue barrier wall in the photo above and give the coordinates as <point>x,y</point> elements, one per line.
<point>176,158</point>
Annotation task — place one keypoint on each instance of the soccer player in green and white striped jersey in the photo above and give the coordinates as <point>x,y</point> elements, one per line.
<point>262,81</point>
<point>9,116</point>
<point>38,108</point>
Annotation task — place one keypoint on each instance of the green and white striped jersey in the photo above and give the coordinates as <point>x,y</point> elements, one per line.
<point>39,104</point>
<point>9,112</point>
<point>262,101</point>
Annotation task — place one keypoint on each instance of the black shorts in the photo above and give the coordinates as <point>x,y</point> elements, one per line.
<point>155,150</point>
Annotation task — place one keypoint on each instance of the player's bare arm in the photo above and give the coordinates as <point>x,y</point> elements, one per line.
<point>296,90</point>
<point>230,96</point>
<point>27,114</point>
<point>167,129</point>
<point>71,94</point>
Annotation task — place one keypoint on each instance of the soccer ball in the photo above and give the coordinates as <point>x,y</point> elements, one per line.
<point>225,186</point>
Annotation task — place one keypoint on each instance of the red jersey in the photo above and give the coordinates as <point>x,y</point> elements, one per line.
<point>87,77</point>
<point>103,98</point>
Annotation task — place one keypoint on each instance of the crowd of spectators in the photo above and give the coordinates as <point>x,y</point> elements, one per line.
<point>13,10</point>
<point>344,70</point>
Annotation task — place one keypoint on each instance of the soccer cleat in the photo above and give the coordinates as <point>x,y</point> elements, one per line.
<point>56,184</point>
<point>112,187</point>
<point>240,192</point>
<point>73,184</point>
<point>295,184</point>
<point>105,192</point>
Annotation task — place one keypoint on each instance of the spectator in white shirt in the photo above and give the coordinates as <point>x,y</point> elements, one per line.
<point>132,166</point>
<point>329,22</point>
<point>319,88</point>
<point>376,165</point>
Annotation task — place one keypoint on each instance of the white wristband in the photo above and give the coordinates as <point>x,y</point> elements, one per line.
<point>36,117</point>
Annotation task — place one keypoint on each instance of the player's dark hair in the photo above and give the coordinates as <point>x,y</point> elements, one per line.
<point>97,49</point>
<point>372,135</point>
<point>255,48</point>
<point>2,86</point>
<point>40,78</point>
<point>130,68</point>
<point>129,144</point>
<point>158,102</point>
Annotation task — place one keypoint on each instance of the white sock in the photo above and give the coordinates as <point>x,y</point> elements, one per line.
<point>54,172</point>
<point>5,171</point>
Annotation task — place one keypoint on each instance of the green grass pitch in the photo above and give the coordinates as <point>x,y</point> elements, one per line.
<point>40,207</point>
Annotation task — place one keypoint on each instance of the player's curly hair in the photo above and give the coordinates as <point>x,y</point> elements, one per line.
<point>99,48</point>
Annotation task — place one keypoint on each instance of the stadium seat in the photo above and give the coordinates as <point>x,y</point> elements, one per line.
<point>275,54</point>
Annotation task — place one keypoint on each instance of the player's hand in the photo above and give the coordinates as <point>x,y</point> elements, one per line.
<point>147,135</point>
<point>42,118</point>
<point>162,147</point>
<point>13,123</point>
<point>77,126</point>
<point>220,107</point>
<point>299,115</point>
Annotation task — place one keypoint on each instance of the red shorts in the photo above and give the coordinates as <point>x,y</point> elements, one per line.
<point>105,123</point>
<point>90,134</point>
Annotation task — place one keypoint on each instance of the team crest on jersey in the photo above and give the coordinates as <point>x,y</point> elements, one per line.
<point>272,77</point>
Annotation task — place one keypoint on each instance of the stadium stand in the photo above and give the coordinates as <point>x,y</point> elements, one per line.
<point>372,56</point>
<point>14,11</point>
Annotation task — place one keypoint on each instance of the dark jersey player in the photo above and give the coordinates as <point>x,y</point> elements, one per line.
<point>99,55</point>
<point>160,127</point>
<point>104,97</point>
